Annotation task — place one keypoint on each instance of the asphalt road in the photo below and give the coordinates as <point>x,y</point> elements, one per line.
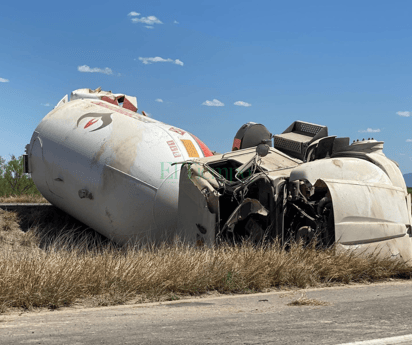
<point>356,313</point>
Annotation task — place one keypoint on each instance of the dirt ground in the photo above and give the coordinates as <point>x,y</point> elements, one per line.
<point>34,225</point>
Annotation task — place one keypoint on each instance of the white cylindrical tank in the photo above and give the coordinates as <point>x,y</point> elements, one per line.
<point>110,167</point>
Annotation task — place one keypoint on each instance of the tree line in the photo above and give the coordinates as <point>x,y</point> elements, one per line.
<point>13,180</point>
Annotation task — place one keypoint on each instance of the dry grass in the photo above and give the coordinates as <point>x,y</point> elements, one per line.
<point>75,265</point>
<point>11,235</point>
<point>303,300</point>
<point>22,199</point>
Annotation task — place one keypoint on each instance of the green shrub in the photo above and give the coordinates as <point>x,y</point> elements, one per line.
<point>12,179</point>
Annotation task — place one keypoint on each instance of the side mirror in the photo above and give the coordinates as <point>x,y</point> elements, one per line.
<point>262,150</point>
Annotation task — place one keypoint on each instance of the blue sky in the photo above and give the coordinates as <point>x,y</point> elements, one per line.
<point>344,64</point>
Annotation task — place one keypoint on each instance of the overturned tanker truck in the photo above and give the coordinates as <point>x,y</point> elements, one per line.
<point>297,185</point>
<point>133,178</point>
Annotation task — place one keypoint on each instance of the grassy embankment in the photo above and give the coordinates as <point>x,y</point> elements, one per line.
<point>23,199</point>
<point>47,259</point>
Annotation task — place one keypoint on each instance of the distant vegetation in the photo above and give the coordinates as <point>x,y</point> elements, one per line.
<point>410,190</point>
<point>13,182</point>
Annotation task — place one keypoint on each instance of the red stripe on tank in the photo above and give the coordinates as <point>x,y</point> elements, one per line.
<point>236,144</point>
<point>110,100</point>
<point>128,105</point>
<point>206,151</point>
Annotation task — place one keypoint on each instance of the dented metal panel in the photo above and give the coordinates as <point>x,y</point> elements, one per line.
<point>196,220</point>
<point>399,247</point>
<point>343,168</point>
<point>367,212</point>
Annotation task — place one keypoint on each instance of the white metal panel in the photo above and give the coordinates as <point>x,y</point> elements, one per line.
<point>196,223</point>
<point>121,158</point>
<point>367,212</point>
<point>399,247</point>
<point>351,169</point>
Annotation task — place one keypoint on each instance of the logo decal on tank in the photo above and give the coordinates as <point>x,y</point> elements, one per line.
<point>177,130</point>
<point>174,148</point>
<point>106,119</point>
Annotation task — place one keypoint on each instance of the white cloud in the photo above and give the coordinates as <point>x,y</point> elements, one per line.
<point>370,130</point>
<point>404,113</point>
<point>159,100</point>
<point>149,27</point>
<point>242,104</point>
<point>46,104</point>
<point>150,20</point>
<point>175,22</point>
<point>133,14</point>
<point>409,140</point>
<point>214,103</point>
<point>150,60</point>
<point>2,80</point>
<point>87,69</point>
